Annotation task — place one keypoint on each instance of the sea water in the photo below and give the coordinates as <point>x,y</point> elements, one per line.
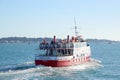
<point>17,63</point>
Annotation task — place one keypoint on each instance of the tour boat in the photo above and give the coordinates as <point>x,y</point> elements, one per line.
<point>62,53</point>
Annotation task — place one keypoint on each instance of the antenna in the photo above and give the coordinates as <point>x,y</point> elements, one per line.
<point>76,33</point>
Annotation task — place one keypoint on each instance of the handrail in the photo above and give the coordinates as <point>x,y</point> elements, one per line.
<point>56,48</point>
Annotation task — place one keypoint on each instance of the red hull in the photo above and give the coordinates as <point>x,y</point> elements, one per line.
<point>62,63</point>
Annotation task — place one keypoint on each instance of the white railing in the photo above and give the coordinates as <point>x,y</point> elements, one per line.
<point>42,57</point>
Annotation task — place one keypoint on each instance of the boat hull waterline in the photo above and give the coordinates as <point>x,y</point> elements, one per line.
<point>62,63</point>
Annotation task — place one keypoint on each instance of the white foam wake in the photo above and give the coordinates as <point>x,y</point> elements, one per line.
<point>92,64</point>
<point>48,71</point>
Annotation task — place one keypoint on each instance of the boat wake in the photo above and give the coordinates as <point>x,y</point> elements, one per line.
<point>16,67</point>
<point>28,70</point>
<point>92,64</point>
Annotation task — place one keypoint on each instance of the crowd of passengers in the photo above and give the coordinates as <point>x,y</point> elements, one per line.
<point>62,47</point>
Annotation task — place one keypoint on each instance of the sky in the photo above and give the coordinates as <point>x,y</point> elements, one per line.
<point>97,19</point>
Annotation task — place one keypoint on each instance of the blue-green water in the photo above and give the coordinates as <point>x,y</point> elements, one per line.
<point>17,63</point>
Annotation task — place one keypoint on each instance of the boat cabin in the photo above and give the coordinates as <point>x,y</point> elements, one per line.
<point>62,47</point>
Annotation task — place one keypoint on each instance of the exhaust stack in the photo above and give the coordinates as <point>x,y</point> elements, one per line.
<point>54,39</point>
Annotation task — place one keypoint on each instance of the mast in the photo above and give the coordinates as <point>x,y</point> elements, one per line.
<point>76,32</point>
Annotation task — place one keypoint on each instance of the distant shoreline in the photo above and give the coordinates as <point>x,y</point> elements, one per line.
<point>38,40</point>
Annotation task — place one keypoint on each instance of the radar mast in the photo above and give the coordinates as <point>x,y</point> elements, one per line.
<point>76,32</point>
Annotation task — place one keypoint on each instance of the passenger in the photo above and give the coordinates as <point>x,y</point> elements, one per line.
<point>40,46</point>
<point>58,47</point>
<point>51,44</point>
<point>46,46</point>
<point>43,44</point>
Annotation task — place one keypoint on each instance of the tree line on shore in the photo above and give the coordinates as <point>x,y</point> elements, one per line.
<point>38,40</point>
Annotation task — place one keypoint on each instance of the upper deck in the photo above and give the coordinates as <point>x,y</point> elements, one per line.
<point>64,47</point>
